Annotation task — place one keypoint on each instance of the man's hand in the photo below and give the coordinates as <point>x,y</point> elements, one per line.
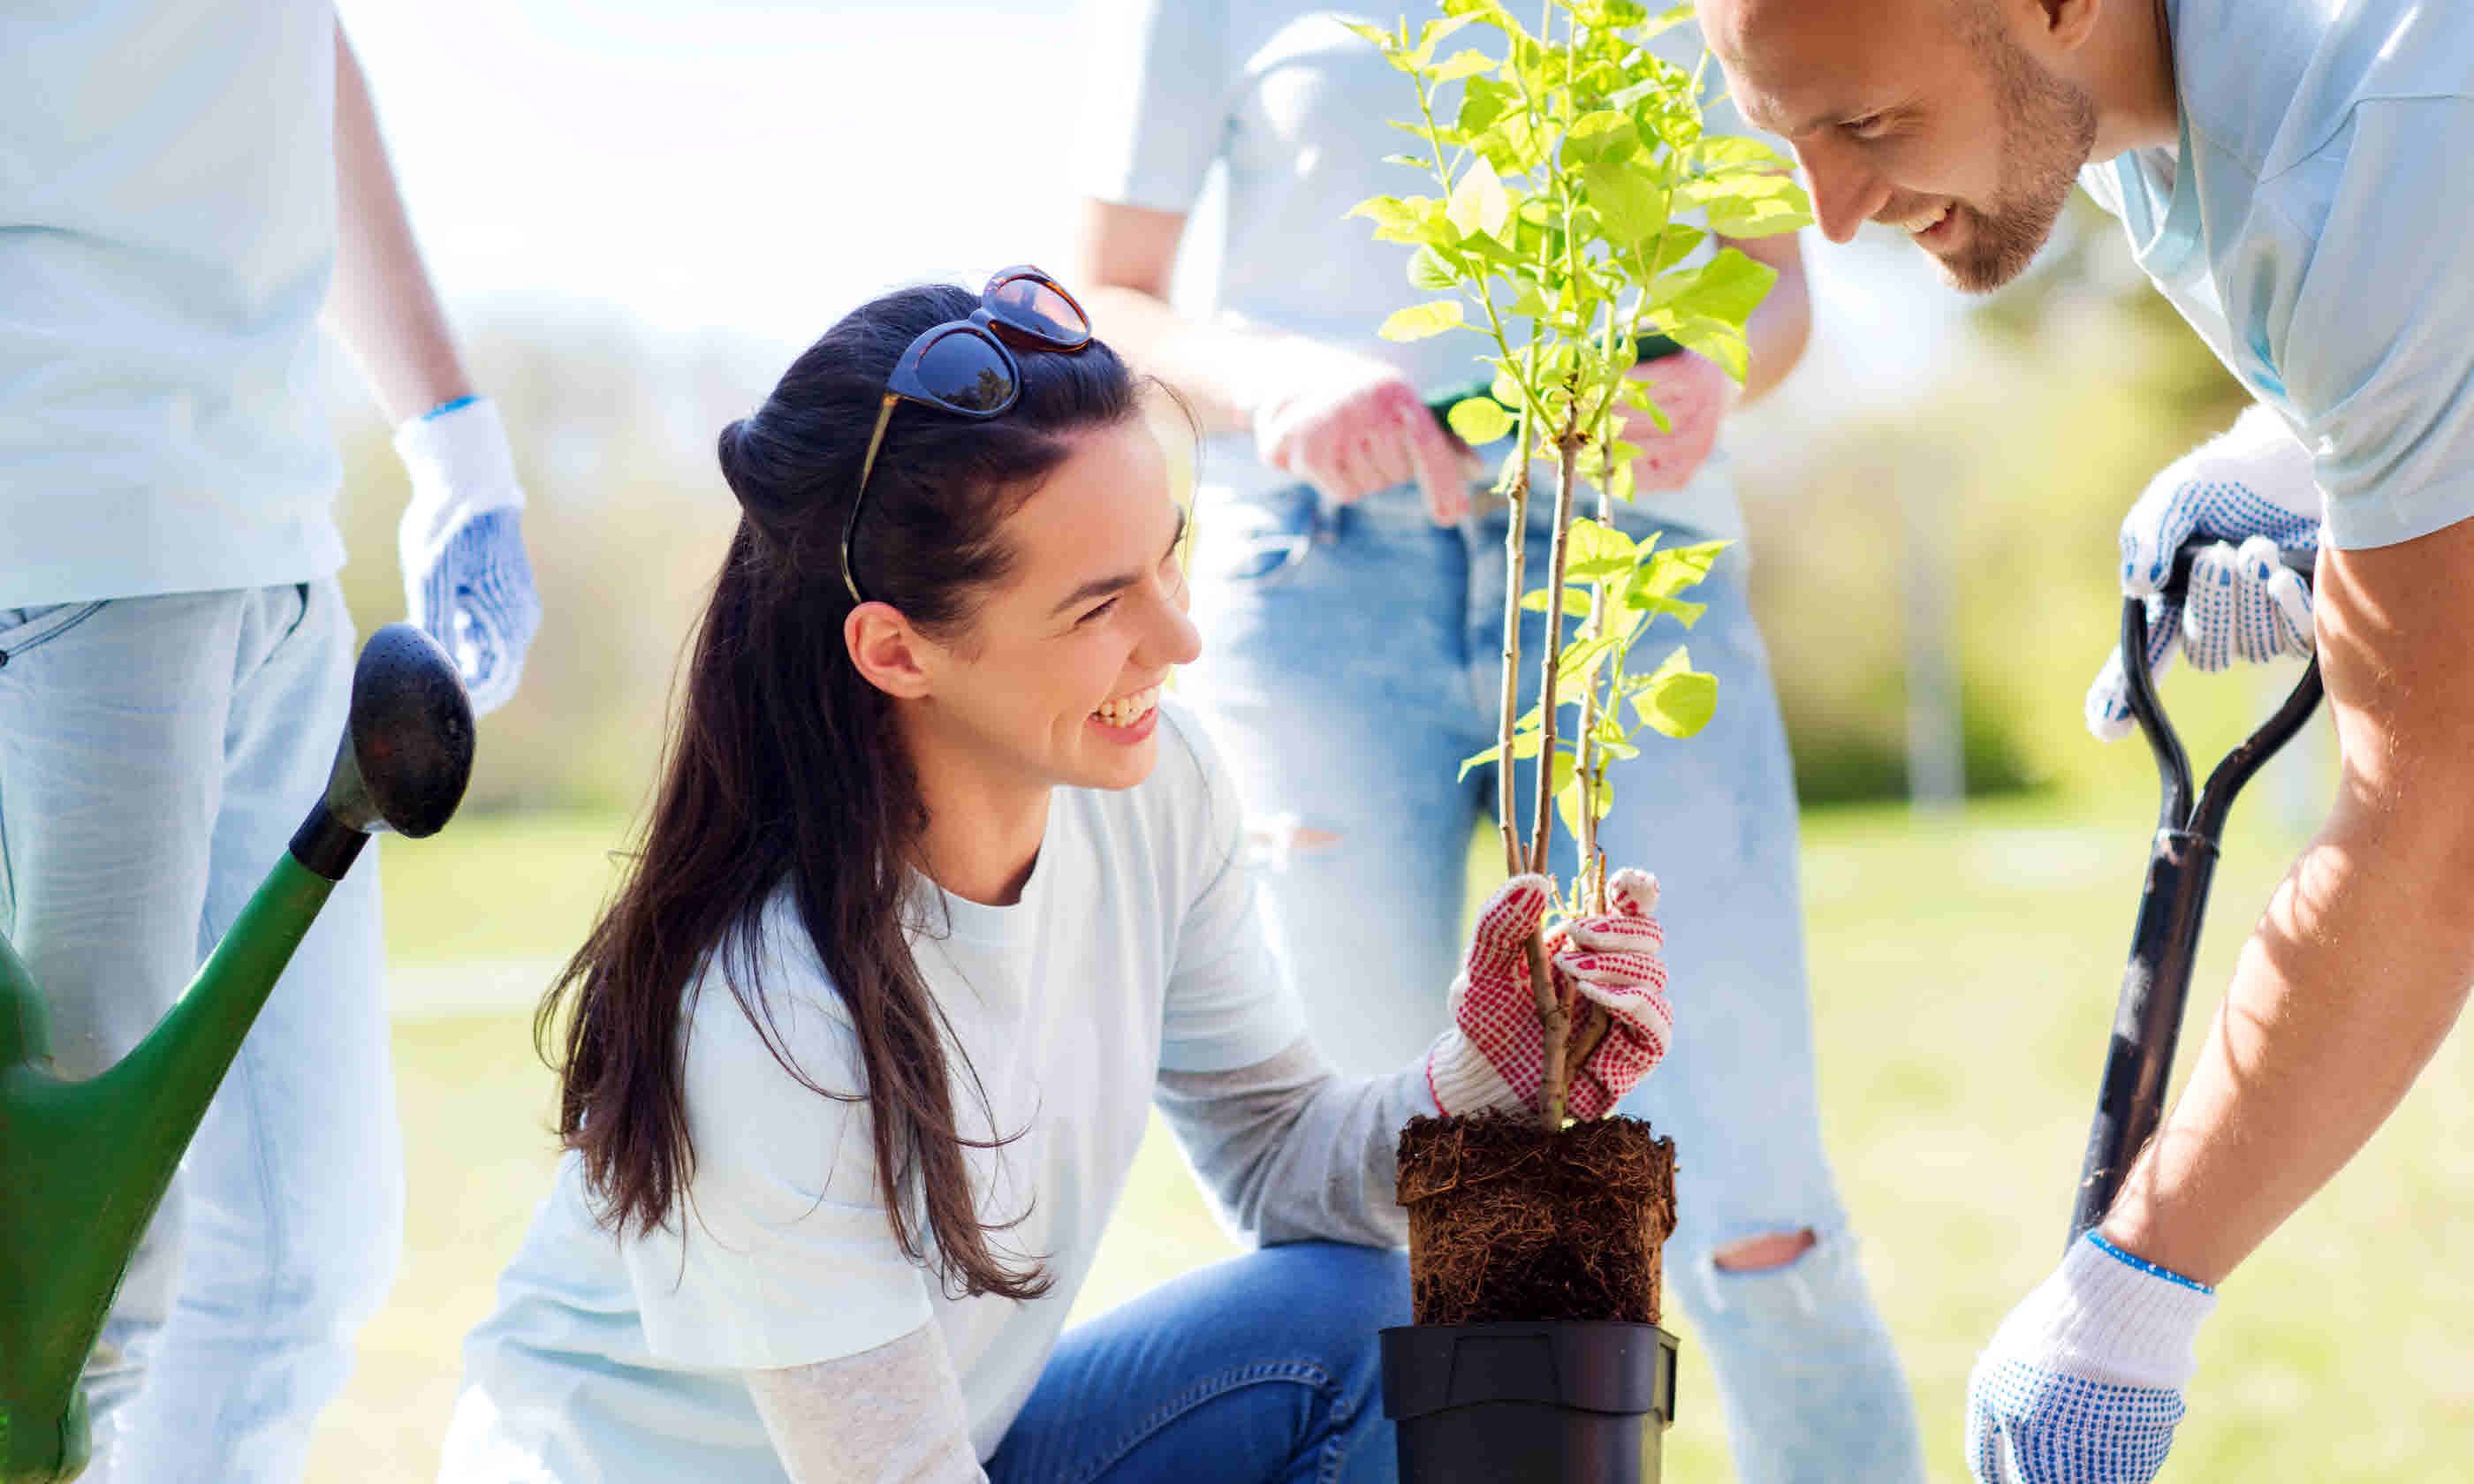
<point>1495,1054</point>
<point>2251,486</point>
<point>466,579</point>
<point>2082,1384</point>
<point>1350,425</point>
<point>1696,396</point>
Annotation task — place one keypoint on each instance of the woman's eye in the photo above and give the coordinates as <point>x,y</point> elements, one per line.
<point>1869,127</point>
<point>1102,610</point>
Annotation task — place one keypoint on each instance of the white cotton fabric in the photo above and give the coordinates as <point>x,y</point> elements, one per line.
<point>1137,949</point>
<point>167,232</point>
<point>1292,106</point>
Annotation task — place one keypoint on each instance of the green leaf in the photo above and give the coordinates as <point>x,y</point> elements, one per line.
<point>1466,64</point>
<point>1732,151</point>
<point>1576,602</point>
<point>1483,102</point>
<point>1717,339</point>
<point>1376,33</point>
<point>1480,420</point>
<point>1594,552</point>
<point>1412,161</point>
<point>1433,33</point>
<point>1428,270</point>
<point>1730,286</point>
<point>1670,572</point>
<point>1598,121</point>
<point>1524,745</point>
<point>1678,702</point>
<point>1748,204</point>
<point>1579,663</point>
<point>1418,322</point>
<point>1627,204</point>
<point>1395,218</point>
<point>1678,243</point>
<point>1567,808</point>
<point>1479,202</point>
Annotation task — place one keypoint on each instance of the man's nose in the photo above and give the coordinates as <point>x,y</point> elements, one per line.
<point>1845,193</point>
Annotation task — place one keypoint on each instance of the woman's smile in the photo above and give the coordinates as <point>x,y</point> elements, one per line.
<point>1129,717</point>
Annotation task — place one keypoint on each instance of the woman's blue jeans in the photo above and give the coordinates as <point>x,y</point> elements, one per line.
<point>1261,1369</point>
<point>1352,660</point>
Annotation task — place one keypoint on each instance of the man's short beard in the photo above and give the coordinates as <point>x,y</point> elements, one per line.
<point>2048,132</point>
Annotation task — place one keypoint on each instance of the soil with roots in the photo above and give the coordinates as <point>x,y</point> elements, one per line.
<point>1508,1222</point>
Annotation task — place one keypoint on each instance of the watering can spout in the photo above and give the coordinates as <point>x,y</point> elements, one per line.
<point>84,1164</point>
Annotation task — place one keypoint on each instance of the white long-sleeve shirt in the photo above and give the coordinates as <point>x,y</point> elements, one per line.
<point>1136,966</point>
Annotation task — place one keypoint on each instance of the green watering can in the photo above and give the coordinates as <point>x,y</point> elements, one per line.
<point>83,1164</point>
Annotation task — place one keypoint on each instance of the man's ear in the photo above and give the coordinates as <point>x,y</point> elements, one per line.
<point>2068,23</point>
<point>889,653</point>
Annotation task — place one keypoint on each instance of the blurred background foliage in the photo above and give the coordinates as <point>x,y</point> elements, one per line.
<point>2068,392</point>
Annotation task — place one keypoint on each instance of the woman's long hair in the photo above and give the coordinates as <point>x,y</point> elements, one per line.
<point>785,775</point>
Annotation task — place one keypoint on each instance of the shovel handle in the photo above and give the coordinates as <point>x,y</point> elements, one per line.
<point>2173,903</point>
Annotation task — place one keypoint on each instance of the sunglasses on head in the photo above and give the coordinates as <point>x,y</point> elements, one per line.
<point>963,367</point>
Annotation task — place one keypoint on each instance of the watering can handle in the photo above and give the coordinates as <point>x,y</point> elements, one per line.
<point>2156,981</point>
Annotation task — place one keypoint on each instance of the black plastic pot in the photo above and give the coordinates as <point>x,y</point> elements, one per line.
<point>1574,1402</point>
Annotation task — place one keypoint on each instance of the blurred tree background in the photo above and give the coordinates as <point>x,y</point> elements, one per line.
<point>2070,390</point>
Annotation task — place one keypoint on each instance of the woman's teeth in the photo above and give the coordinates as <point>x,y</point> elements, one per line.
<point>1125,711</point>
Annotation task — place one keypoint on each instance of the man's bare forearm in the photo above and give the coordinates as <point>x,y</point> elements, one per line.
<point>1781,326</point>
<point>383,305</point>
<point>2360,966</point>
<point>1214,368</point>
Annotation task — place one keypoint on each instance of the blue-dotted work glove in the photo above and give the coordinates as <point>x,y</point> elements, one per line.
<point>466,579</point>
<point>2249,490</point>
<point>2082,1383</point>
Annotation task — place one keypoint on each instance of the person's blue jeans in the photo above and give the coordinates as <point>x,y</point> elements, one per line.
<point>1261,1369</point>
<point>155,754</point>
<point>1264,1369</point>
<point>1350,665</point>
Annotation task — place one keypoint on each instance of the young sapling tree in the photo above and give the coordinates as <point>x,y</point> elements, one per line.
<point>1556,233</point>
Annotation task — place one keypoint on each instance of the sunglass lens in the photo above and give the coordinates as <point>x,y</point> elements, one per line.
<point>1040,309</point>
<point>965,372</point>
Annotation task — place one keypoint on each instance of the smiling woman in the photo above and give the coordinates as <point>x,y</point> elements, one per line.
<point>936,896</point>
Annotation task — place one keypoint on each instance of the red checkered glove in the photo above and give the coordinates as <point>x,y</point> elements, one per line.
<point>1495,1054</point>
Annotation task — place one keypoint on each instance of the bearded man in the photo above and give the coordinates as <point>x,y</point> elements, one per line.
<point>2293,176</point>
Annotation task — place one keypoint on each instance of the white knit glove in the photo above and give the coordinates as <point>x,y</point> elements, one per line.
<point>2082,1384</point>
<point>2251,485</point>
<point>466,578</point>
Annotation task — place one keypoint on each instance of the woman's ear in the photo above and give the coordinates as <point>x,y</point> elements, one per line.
<point>889,653</point>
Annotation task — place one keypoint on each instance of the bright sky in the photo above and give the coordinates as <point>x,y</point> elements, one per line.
<point>724,164</point>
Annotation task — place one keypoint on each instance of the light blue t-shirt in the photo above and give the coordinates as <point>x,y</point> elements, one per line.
<point>168,231</point>
<point>1293,105</point>
<point>2316,226</point>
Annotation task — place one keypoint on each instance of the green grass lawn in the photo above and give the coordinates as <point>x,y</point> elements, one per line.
<point>1964,975</point>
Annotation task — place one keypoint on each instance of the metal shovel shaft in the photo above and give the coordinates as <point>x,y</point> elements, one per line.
<point>2173,904</point>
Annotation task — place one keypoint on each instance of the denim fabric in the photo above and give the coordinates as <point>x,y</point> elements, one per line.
<point>1264,1369</point>
<point>155,754</point>
<point>1261,1369</point>
<point>1353,658</point>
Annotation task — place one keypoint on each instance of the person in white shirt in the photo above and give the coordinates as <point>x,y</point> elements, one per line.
<point>939,895</point>
<point>184,185</point>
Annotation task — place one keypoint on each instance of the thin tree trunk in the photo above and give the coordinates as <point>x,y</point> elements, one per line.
<point>1557,1018</point>
<point>1516,557</point>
